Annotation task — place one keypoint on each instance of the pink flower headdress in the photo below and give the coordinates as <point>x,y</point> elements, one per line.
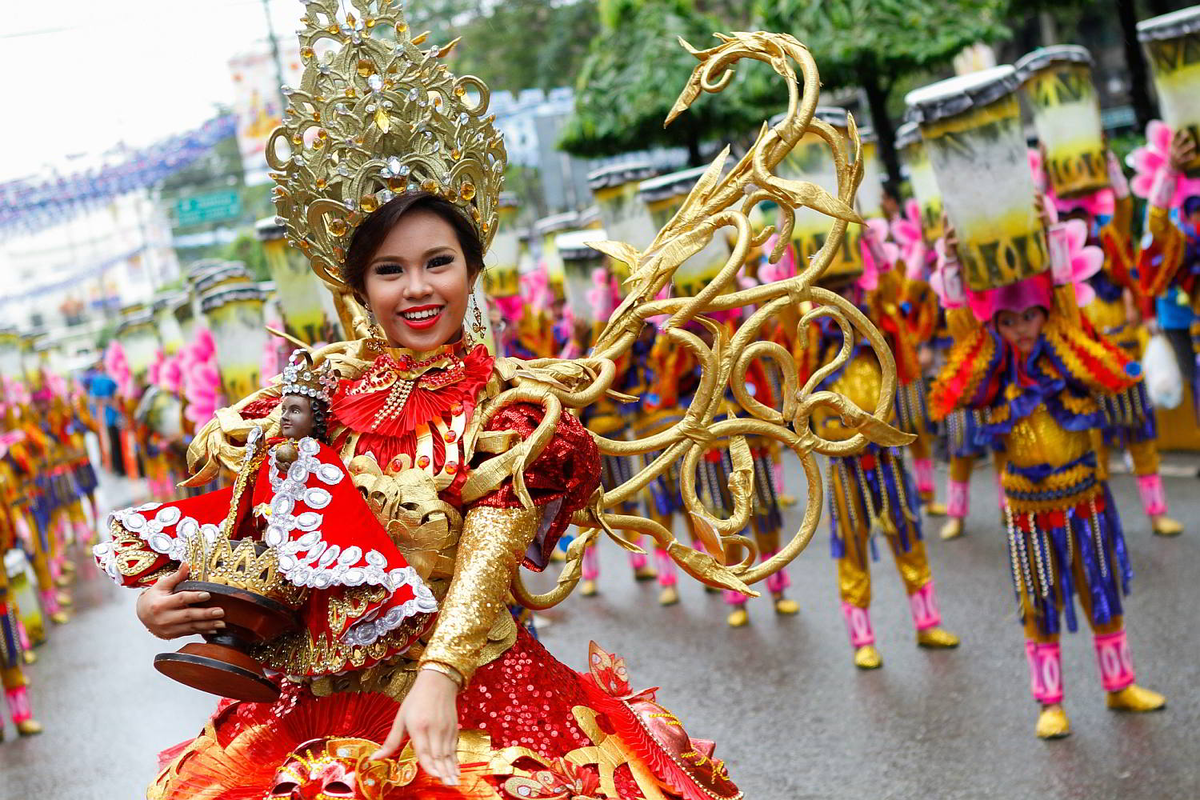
<point>1150,159</point>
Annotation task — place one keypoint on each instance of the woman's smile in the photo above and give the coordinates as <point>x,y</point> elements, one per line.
<point>421,317</point>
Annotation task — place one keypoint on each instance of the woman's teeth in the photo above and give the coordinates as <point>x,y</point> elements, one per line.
<point>419,315</point>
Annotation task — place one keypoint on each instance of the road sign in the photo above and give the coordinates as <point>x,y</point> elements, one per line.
<point>210,207</point>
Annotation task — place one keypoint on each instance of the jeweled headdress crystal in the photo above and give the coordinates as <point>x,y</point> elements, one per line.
<point>301,377</point>
<point>374,116</point>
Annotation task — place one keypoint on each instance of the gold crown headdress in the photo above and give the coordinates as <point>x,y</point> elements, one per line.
<point>301,377</point>
<point>374,116</point>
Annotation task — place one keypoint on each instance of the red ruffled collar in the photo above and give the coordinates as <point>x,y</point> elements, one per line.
<point>403,389</point>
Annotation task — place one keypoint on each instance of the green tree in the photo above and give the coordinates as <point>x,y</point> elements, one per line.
<point>523,44</point>
<point>874,43</point>
<point>633,73</point>
<point>247,249</point>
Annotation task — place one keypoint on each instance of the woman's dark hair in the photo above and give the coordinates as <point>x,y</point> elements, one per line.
<point>375,228</point>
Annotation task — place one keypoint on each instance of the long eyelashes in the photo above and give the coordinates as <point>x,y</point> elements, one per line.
<point>396,269</point>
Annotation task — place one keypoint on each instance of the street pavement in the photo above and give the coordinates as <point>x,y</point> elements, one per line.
<point>790,714</point>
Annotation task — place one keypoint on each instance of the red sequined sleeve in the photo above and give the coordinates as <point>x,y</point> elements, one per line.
<point>560,480</point>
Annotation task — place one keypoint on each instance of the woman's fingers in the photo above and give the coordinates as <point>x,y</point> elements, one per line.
<point>193,614</point>
<point>190,598</point>
<point>429,761</point>
<point>169,582</point>
<point>190,628</point>
<point>451,750</point>
<point>391,745</point>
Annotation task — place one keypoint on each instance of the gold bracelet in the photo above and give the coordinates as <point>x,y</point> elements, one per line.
<point>448,671</point>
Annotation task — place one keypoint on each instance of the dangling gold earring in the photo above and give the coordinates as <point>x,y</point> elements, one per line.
<point>478,329</point>
<point>378,340</point>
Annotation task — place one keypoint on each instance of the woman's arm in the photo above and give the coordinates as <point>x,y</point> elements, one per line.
<point>498,535</point>
<point>490,549</point>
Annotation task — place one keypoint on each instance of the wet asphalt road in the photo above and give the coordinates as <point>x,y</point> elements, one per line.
<point>791,715</point>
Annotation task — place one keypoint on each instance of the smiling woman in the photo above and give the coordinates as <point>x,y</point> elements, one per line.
<point>413,264</point>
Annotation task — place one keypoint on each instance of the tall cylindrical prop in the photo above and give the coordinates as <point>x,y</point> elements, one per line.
<point>10,354</point>
<point>971,126</point>
<point>1057,82</point>
<point>869,198</point>
<point>138,335</point>
<point>547,230</point>
<point>663,197</point>
<point>235,316</point>
<point>624,216</point>
<point>811,160</point>
<point>170,332</point>
<point>1173,44</point>
<point>307,306</point>
<point>500,279</point>
<point>203,276</point>
<point>922,180</point>
<point>580,265</point>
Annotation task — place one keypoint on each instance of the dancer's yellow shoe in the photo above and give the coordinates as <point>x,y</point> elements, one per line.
<point>786,606</point>
<point>740,618</point>
<point>64,599</point>
<point>935,509</point>
<point>787,500</point>
<point>589,589</point>
<point>669,596</point>
<point>1165,526</point>
<point>60,618</point>
<point>30,657</point>
<point>937,639</point>
<point>952,529</point>
<point>646,573</point>
<point>867,657</point>
<point>29,727</point>
<point>1053,723</point>
<point>1135,699</point>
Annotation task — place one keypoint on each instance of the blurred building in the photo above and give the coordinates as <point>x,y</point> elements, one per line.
<point>88,265</point>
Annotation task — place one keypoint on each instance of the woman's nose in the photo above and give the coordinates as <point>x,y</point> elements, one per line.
<point>416,285</point>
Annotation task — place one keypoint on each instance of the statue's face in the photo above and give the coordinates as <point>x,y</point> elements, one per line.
<point>296,417</point>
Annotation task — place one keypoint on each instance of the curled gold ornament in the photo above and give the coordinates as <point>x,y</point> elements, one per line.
<point>722,199</point>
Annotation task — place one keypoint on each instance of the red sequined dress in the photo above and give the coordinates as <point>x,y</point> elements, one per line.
<point>435,459</point>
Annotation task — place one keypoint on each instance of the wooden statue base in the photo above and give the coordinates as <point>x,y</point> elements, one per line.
<point>220,669</point>
<point>222,665</point>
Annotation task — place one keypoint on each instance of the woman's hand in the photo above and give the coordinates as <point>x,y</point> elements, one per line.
<point>1181,151</point>
<point>169,614</point>
<point>949,240</point>
<point>428,716</point>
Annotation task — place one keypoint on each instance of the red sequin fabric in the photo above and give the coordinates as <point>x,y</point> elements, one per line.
<point>524,698</point>
<point>567,470</point>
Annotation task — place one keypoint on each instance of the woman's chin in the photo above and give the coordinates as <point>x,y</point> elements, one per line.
<point>430,339</point>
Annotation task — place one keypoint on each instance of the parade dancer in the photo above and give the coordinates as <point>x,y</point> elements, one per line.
<point>1131,420</point>
<point>12,643</point>
<point>873,492</point>
<point>1036,369</point>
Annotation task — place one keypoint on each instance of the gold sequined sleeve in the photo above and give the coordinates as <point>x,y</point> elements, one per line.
<point>490,550</point>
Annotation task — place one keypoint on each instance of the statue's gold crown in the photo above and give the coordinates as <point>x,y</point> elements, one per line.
<point>301,377</point>
<point>375,116</point>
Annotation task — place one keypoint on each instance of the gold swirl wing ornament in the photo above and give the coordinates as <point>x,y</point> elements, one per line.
<point>723,198</point>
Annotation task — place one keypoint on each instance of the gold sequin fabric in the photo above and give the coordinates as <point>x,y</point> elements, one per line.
<point>490,549</point>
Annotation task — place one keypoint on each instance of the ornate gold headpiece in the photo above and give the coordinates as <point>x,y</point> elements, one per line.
<point>301,377</point>
<point>374,116</point>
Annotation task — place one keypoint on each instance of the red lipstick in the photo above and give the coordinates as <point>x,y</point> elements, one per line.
<point>422,324</point>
